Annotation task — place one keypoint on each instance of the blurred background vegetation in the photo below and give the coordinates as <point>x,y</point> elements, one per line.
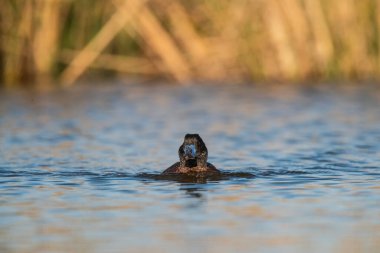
<point>61,41</point>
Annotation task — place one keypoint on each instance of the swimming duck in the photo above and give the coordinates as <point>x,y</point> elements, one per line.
<point>192,158</point>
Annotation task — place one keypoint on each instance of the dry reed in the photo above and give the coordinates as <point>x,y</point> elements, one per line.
<point>217,40</point>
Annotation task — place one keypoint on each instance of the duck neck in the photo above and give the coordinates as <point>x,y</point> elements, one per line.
<point>202,162</point>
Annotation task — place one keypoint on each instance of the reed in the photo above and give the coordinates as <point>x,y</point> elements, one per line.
<point>217,40</point>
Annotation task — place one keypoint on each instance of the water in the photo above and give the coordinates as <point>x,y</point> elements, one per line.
<point>79,169</point>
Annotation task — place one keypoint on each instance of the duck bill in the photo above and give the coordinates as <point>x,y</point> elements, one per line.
<point>190,151</point>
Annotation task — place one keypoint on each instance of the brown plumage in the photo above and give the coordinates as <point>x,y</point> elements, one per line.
<point>193,156</point>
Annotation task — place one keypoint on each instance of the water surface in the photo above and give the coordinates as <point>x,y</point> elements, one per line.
<point>78,169</point>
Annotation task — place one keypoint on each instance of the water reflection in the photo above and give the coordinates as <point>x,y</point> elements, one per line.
<point>80,170</point>
<point>192,190</point>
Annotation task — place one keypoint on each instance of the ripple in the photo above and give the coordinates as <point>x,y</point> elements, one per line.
<point>81,167</point>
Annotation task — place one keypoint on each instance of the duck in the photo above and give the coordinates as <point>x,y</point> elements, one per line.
<point>193,156</point>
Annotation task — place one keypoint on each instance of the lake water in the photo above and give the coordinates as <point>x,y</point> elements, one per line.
<point>79,169</point>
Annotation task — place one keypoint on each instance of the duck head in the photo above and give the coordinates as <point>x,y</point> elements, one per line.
<point>193,152</point>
